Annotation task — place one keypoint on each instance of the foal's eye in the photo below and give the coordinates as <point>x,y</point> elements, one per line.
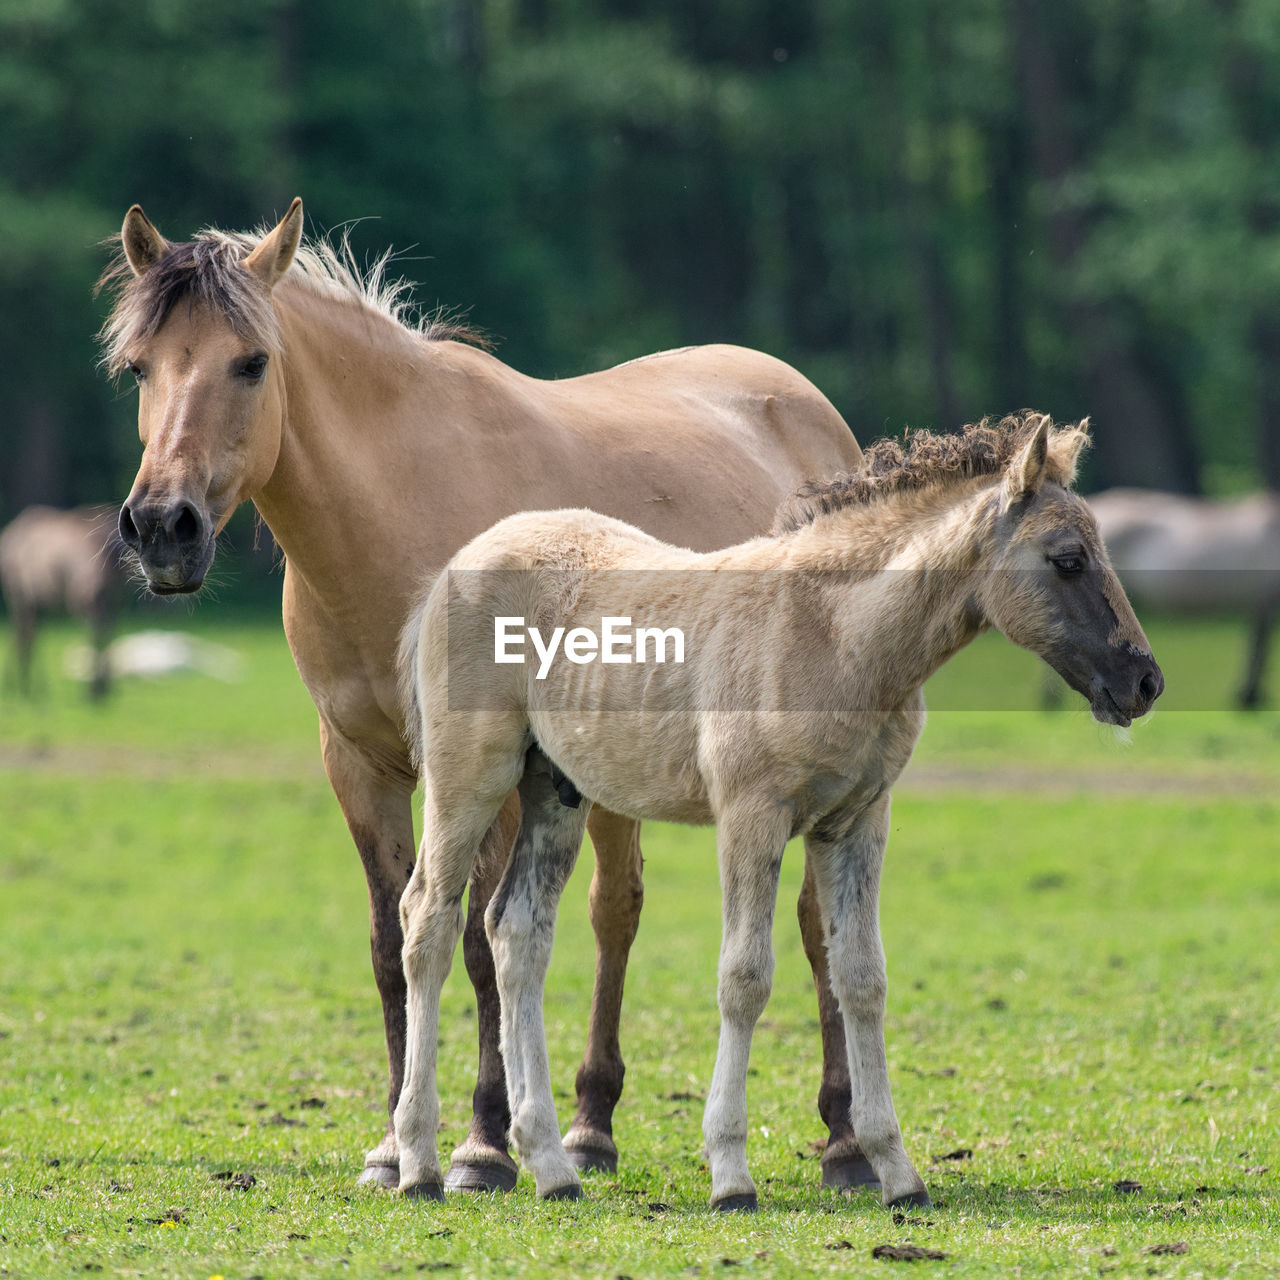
<point>1067,565</point>
<point>253,368</point>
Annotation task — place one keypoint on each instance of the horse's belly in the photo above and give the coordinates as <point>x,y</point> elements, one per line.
<point>642,767</point>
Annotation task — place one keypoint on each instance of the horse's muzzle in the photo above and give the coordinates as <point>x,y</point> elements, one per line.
<point>1122,701</point>
<point>172,541</point>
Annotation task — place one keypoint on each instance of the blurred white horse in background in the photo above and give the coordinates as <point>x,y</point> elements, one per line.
<point>1190,555</point>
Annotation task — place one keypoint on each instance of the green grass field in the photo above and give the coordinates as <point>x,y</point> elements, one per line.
<point>1084,988</point>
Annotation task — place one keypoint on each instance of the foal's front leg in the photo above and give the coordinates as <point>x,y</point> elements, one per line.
<point>750,845</point>
<point>846,873</point>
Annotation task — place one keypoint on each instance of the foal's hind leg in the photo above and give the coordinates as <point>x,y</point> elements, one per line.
<point>521,925</point>
<point>460,804</point>
<point>617,894</point>
<point>846,872</point>
<point>843,1164</point>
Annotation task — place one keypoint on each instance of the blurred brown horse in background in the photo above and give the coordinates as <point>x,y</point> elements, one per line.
<point>53,560</point>
<point>272,371</point>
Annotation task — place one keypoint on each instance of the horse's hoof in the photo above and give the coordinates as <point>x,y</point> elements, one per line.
<point>480,1177</point>
<point>850,1174</point>
<point>570,1191</point>
<point>912,1200</point>
<point>590,1151</point>
<point>385,1177</point>
<point>423,1191</point>
<point>744,1203</point>
<point>587,1160</point>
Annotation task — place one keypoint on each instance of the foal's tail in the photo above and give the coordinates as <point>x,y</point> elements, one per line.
<point>407,674</point>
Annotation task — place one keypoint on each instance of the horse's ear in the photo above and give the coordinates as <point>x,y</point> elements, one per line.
<point>1026,472</point>
<point>271,259</point>
<point>143,245</point>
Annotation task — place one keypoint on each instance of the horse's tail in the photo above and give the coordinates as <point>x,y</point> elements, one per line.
<point>407,674</point>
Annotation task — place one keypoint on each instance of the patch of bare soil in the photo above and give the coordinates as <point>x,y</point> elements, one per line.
<point>98,760</point>
<point>934,778</point>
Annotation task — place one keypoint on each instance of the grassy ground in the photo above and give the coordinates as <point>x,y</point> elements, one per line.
<point>1083,994</point>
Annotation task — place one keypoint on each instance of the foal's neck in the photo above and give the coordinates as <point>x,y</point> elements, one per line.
<point>900,578</point>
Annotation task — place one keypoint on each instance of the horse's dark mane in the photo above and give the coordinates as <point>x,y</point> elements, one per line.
<point>930,459</point>
<point>207,271</point>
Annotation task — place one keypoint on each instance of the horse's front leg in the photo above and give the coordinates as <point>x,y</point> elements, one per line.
<point>617,894</point>
<point>750,845</point>
<point>843,1164</point>
<point>846,873</point>
<point>521,926</point>
<point>379,815</point>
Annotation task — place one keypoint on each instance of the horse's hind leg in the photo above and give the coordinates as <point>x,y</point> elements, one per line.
<point>481,1163</point>
<point>521,925</point>
<point>1250,695</point>
<point>617,894</point>
<point>843,1164</point>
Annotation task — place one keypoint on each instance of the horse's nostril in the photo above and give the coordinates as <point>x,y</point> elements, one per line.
<point>186,528</point>
<point>1151,686</point>
<point>129,534</point>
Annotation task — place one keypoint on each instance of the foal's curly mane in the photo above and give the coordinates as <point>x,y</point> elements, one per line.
<point>207,270</point>
<point>932,459</point>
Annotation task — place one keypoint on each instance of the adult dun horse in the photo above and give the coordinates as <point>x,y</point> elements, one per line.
<point>54,559</point>
<point>270,372</point>
<point>797,706</point>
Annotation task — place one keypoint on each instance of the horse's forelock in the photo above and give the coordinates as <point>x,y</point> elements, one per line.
<point>932,459</point>
<point>204,271</point>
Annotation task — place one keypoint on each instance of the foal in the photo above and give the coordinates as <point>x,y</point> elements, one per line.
<point>797,706</point>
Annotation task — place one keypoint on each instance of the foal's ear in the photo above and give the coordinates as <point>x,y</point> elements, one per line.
<point>271,259</point>
<point>1026,472</point>
<point>143,245</point>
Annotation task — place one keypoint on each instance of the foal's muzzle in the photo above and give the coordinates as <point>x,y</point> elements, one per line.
<point>1128,694</point>
<point>173,543</point>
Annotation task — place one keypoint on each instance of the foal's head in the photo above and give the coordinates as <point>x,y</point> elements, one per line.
<point>194,325</point>
<point>1051,588</point>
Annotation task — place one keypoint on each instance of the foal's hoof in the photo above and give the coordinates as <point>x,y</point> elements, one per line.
<point>744,1203</point>
<point>480,1177</point>
<point>912,1200</point>
<point>383,1176</point>
<point>570,1191</point>
<point>850,1174</point>
<point>423,1191</point>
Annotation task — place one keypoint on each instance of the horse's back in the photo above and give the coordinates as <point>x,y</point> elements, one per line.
<point>50,556</point>
<point>711,438</point>
<point>1181,552</point>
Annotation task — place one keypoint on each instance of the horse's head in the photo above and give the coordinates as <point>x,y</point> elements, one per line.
<point>194,325</point>
<point>1052,589</point>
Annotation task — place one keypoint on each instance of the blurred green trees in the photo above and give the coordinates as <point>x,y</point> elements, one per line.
<point>936,210</point>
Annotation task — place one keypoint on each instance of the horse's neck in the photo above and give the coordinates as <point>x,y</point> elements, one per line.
<point>903,582</point>
<point>355,438</point>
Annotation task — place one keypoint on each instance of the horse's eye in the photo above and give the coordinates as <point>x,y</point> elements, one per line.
<point>136,370</point>
<point>1067,565</point>
<point>254,368</point>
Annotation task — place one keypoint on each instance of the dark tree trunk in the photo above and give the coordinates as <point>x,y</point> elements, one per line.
<point>1138,415</point>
